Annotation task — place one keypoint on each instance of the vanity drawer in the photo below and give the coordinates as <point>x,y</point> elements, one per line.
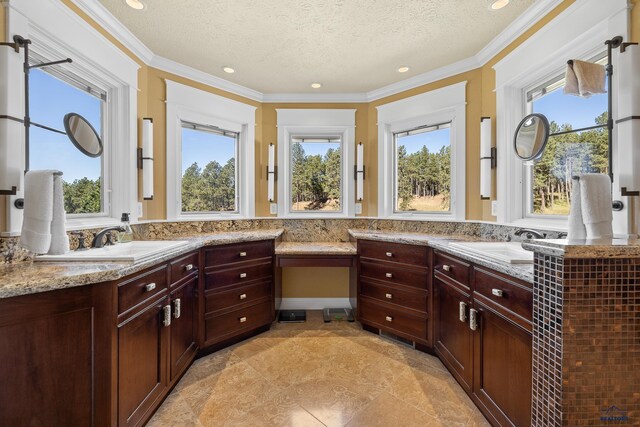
<point>508,294</point>
<point>244,295</point>
<point>238,275</point>
<point>217,328</point>
<point>184,267</point>
<point>394,252</point>
<point>394,319</point>
<point>132,292</point>
<point>392,273</point>
<point>452,268</point>
<point>217,256</point>
<point>409,298</point>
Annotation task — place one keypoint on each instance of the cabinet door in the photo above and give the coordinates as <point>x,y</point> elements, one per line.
<point>142,363</point>
<point>183,327</point>
<point>502,365</point>
<point>453,338</point>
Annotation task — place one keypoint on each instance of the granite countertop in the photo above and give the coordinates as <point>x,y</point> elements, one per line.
<point>32,277</point>
<point>441,242</point>
<point>316,248</point>
<point>596,248</point>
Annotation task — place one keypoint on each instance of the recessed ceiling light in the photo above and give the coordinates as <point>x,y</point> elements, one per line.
<point>228,70</point>
<point>316,85</point>
<point>403,69</point>
<point>499,4</point>
<point>135,4</point>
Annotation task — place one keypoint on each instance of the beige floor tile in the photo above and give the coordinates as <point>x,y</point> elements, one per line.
<point>208,366</point>
<point>174,412</point>
<point>387,410</point>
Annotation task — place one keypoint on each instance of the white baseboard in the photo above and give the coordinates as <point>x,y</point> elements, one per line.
<point>314,303</point>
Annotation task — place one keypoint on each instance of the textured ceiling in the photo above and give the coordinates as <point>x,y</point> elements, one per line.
<point>283,45</point>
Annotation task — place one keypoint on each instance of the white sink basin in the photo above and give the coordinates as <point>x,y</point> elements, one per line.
<point>509,252</point>
<point>136,251</point>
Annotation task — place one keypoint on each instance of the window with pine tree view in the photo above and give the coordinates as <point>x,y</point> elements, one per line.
<point>316,177</point>
<point>50,98</point>
<point>209,169</point>
<point>423,169</point>
<point>549,178</point>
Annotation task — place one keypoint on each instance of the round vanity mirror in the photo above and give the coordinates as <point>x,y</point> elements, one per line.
<point>531,136</point>
<point>83,135</point>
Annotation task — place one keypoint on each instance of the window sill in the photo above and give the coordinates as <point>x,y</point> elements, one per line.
<point>556,224</point>
<point>91,222</point>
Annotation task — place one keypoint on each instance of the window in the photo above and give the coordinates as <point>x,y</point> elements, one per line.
<point>570,150</point>
<point>421,155</point>
<point>316,174</point>
<point>423,169</point>
<point>83,176</point>
<point>209,169</point>
<point>316,158</point>
<point>210,155</point>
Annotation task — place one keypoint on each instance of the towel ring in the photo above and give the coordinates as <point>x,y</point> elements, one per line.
<point>616,205</point>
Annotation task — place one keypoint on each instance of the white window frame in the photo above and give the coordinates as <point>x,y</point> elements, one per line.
<point>578,32</point>
<point>316,123</point>
<point>185,103</point>
<point>57,32</point>
<point>447,104</point>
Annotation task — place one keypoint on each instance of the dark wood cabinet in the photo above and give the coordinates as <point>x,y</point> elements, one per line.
<point>143,342</point>
<point>184,304</point>
<point>453,341</point>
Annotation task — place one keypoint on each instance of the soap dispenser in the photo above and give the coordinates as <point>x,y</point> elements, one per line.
<point>126,235</point>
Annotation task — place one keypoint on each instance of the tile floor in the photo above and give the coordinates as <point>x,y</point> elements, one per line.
<point>316,374</point>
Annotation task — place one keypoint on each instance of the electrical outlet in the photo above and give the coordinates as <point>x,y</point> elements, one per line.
<point>358,208</point>
<point>139,209</point>
<point>494,207</point>
<point>273,208</point>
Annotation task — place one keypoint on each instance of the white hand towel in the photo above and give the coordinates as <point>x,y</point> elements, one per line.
<point>59,237</point>
<point>595,189</point>
<point>584,79</point>
<point>571,86</point>
<point>38,211</point>
<point>577,229</point>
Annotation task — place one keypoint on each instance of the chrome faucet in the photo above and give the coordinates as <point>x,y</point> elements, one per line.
<point>97,239</point>
<point>529,233</point>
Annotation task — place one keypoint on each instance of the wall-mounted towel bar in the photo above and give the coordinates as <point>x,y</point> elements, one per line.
<point>616,205</point>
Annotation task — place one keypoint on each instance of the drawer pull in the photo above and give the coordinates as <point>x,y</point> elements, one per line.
<point>473,319</point>
<point>463,312</point>
<point>177,305</point>
<point>389,275</point>
<point>243,296</point>
<point>446,267</point>
<point>243,275</point>
<point>388,296</point>
<point>243,319</point>
<point>166,315</point>
<point>389,254</point>
<point>243,254</point>
<point>149,287</point>
<point>188,267</point>
<point>497,292</point>
<point>389,319</point>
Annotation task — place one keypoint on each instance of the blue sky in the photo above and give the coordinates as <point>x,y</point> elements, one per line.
<point>433,140</point>
<point>50,100</point>
<point>321,148</point>
<point>203,147</point>
<point>579,112</point>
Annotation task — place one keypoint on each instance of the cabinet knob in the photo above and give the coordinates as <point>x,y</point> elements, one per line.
<point>149,286</point>
<point>242,319</point>
<point>388,296</point>
<point>462,311</point>
<point>243,254</point>
<point>166,315</point>
<point>389,275</point>
<point>446,267</point>
<point>177,305</point>
<point>389,319</point>
<point>188,267</point>
<point>389,254</point>
<point>243,296</point>
<point>243,275</point>
<point>497,292</point>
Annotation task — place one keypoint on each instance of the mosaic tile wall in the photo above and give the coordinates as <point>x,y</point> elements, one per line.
<point>586,357</point>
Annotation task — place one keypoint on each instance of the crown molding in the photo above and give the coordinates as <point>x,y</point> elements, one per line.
<point>110,23</point>
<point>522,23</point>
<point>191,73</point>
